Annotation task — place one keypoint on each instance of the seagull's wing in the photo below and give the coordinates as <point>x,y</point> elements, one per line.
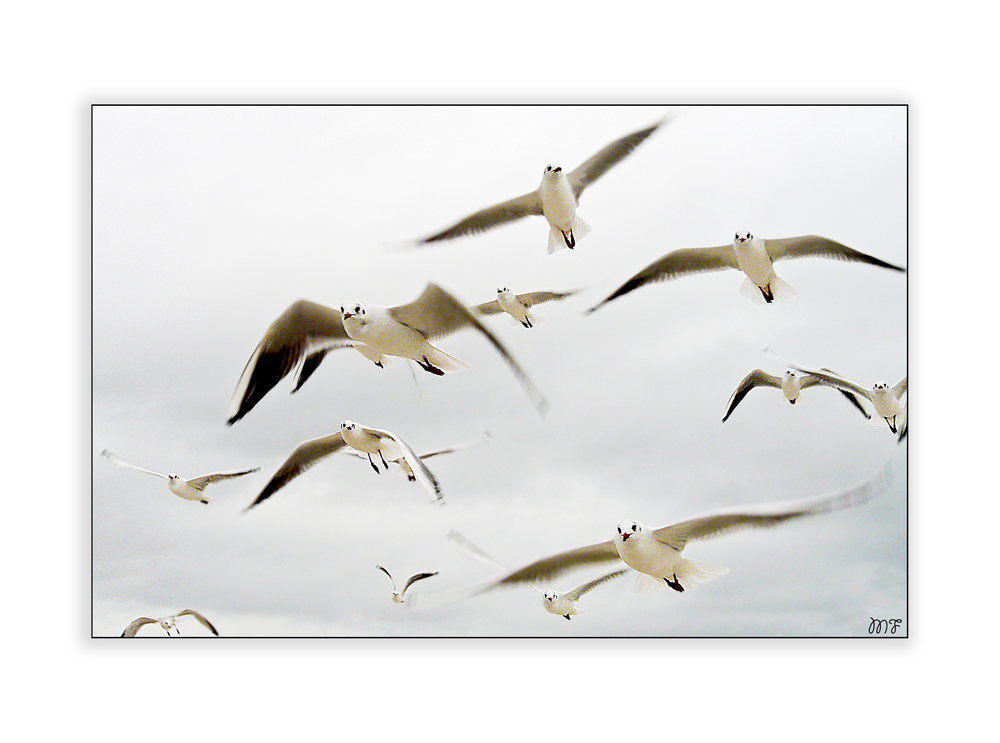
<point>900,389</point>
<point>200,618</point>
<point>437,313</point>
<point>473,551</point>
<point>756,378</point>
<point>135,625</point>
<point>762,517</point>
<point>487,308</point>
<point>494,216</point>
<point>677,263</point>
<point>551,567</point>
<point>833,380</point>
<point>576,593</point>
<point>122,463</point>
<point>822,247</point>
<point>532,298</point>
<point>424,476</point>
<point>390,576</point>
<point>302,330</point>
<point>599,164</point>
<point>199,483</point>
<point>811,380</point>
<point>458,447</point>
<point>414,578</point>
<point>304,456</point>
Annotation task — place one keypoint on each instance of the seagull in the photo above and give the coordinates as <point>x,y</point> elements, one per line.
<point>401,461</point>
<point>306,332</point>
<point>167,623</point>
<point>556,198</point>
<point>791,383</point>
<point>888,401</point>
<point>400,596</point>
<point>657,553</point>
<point>387,446</point>
<point>516,305</point>
<point>564,604</point>
<point>193,489</point>
<point>754,256</point>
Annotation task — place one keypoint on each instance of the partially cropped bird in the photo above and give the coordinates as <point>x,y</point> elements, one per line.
<point>167,623</point>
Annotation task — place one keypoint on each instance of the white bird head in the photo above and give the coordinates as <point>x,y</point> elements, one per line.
<point>348,426</point>
<point>550,596</point>
<point>173,478</point>
<point>397,598</point>
<point>551,170</point>
<point>505,292</point>
<point>628,529</point>
<point>167,623</point>
<point>789,374</point>
<point>880,386</point>
<point>742,237</point>
<point>357,312</point>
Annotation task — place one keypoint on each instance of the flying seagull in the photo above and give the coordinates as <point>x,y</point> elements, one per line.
<point>167,623</point>
<point>400,596</point>
<point>516,305</point>
<point>754,256</point>
<point>388,447</point>
<point>193,489</point>
<point>888,401</point>
<point>556,198</point>
<point>791,383</point>
<point>657,553</point>
<point>306,332</point>
<point>401,461</point>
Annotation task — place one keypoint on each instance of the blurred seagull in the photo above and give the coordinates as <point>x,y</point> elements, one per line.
<point>401,460</point>
<point>306,331</point>
<point>556,198</point>
<point>388,446</point>
<point>564,604</point>
<point>888,401</point>
<point>400,596</point>
<point>657,553</point>
<point>193,489</point>
<point>167,623</point>
<point>791,383</point>
<point>516,305</point>
<point>754,256</point>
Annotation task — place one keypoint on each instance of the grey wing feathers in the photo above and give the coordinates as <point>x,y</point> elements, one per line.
<point>304,456</point>
<point>200,618</point>
<point>414,578</point>
<point>388,574</point>
<point>199,483</point>
<point>436,312</point>
<point>756,378</point>
<point>900,389</point>
<point>811,380</point>
<point>135,625</point>
<point>762,517</point>
<point>814,245</point>
<point>487,308</point>
<point>677,263</point>
<point>458,447</point>
<point>599,164</point>
<point>833,380</point>
<point>417,466</point>
<point>576,593</point>
<point>493,216</point>
<point>551,567</point>
<point>532,298</point>
<point>122,463</point>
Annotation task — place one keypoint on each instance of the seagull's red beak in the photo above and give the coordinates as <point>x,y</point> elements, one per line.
<point>348,314</point>
<point>625,536</point>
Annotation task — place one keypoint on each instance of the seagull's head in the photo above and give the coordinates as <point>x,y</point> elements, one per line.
<point>348,426</point>
<point>173,478</point>
<point>505,292</point>
<point>551,170</point>
<point>742,237</point>
<point>357,312</point>
<point>790,374</point>
<point>550,596</point>
<point>628,529</point>
<point>167,623</point>
<point>880,386</point>
<point>397,598</point>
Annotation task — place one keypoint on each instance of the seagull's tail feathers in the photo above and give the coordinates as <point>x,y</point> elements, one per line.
<point>691,574</point>
<point>443,361</point>
<point>531,318</point>
<point>558,240</point>
<point>779,289</point>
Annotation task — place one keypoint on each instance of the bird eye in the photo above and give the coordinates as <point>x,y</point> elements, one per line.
<point>619,530</point>
<point>737,236</point>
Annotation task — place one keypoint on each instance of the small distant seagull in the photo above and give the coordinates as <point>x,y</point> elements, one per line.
<point>658,552</point>
<point>193,489</point>
<point>754,256</point>
<point>388,446</point>
<point>400,596</point>
<point>306,331</point>
<point>516,305</point>
<point>791,383</point>
<point>564,604</point>
<point>556,198</point>
<point>888,401</point>
<point>167,623</point>
<point>401,461</point>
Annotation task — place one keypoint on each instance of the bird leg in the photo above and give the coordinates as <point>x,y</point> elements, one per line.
<point>428,366</point>
<point>675,584</point>
<point>768,294</point>
<point>379,365</point>
<point>892,424</point>
<point>374,466</point>
<point>383,460</point>
<point>567,616</point>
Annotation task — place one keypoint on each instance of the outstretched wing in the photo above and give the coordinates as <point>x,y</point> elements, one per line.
<point>458,447</point>
<point>487,308</point>
<point>601,163</point>
<point>576,593</point>
<point>810,380</point>
<point>414,578</point>
<point>900,389</point>
<point>814,245</point>
<point>532,298</point>
<point>424,476</point>
<point>756,378</point>
<point>199,483</point>
<point>122,463</point>
<point>304,456</point>
<point>200,618</point>
<point>300,331</point>
<point>436,313</point>
<point>388,574</point>
<point>675,264</point>
<point>551,567</point>
<point>493,216</point>
<point>135,625</point>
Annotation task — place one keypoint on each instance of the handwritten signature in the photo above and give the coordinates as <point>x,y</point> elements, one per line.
<point>883,626</point>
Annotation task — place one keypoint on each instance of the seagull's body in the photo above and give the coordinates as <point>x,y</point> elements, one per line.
<point>791,383</point>
<point>754,256</point>
<point>306,332</point>
<point>372,442</point>
<point>167,623</point>
<point>193,489</point>
<point>564,604</point>
<point>556,198</point>
<point>657,553</point>
<point>404,465</point>
<point>400,596</point>
<point>516,305</point>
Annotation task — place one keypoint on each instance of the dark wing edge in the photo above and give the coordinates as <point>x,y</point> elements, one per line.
<point>487,219</point>
<point>305,455</point>
<point>816,245</point>
<point>552,567</point>
<point>599,164</point>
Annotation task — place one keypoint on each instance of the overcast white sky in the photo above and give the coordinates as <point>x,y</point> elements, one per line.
<point>210,221</point>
